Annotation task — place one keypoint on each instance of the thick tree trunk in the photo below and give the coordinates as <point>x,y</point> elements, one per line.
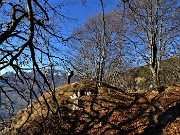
<point>155,76</point>
<point>154,67</point>
<point>154,63</point>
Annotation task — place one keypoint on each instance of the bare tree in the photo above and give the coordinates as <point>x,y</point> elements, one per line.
<point>26,32</point>
<point>97,46</point>
<point>153,31</point>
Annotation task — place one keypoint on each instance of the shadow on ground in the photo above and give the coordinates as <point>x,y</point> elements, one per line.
<point>114,113</point>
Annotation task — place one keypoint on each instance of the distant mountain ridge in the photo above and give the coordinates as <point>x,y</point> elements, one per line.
<point>18,103</point>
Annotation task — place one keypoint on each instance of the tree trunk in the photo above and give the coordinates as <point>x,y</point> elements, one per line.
<point>154,64</point>
<point>155,76</point>
<point>97,69</point>
<point>102,69</point>
<point>153,49</point>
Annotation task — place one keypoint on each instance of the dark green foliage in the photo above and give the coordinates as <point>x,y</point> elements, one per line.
<point>170,71</point>
<point>169,74</point>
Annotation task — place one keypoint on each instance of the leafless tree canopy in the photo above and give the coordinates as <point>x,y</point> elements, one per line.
<point>105,48</point>
<point>153,31</point>
<point>28,30</point>
<point>134,34</point>
<point>97,49</point>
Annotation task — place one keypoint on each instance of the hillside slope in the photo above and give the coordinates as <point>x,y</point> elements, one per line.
<point>108,113</point>
<point>140,78</point>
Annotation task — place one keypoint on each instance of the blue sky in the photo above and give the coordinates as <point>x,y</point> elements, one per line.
<point>81,10</point>
<point>78,11</point>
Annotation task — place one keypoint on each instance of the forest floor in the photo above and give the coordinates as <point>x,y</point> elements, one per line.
<point>108,113</point>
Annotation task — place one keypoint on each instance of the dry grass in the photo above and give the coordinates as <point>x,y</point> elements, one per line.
<point>107,113</point>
